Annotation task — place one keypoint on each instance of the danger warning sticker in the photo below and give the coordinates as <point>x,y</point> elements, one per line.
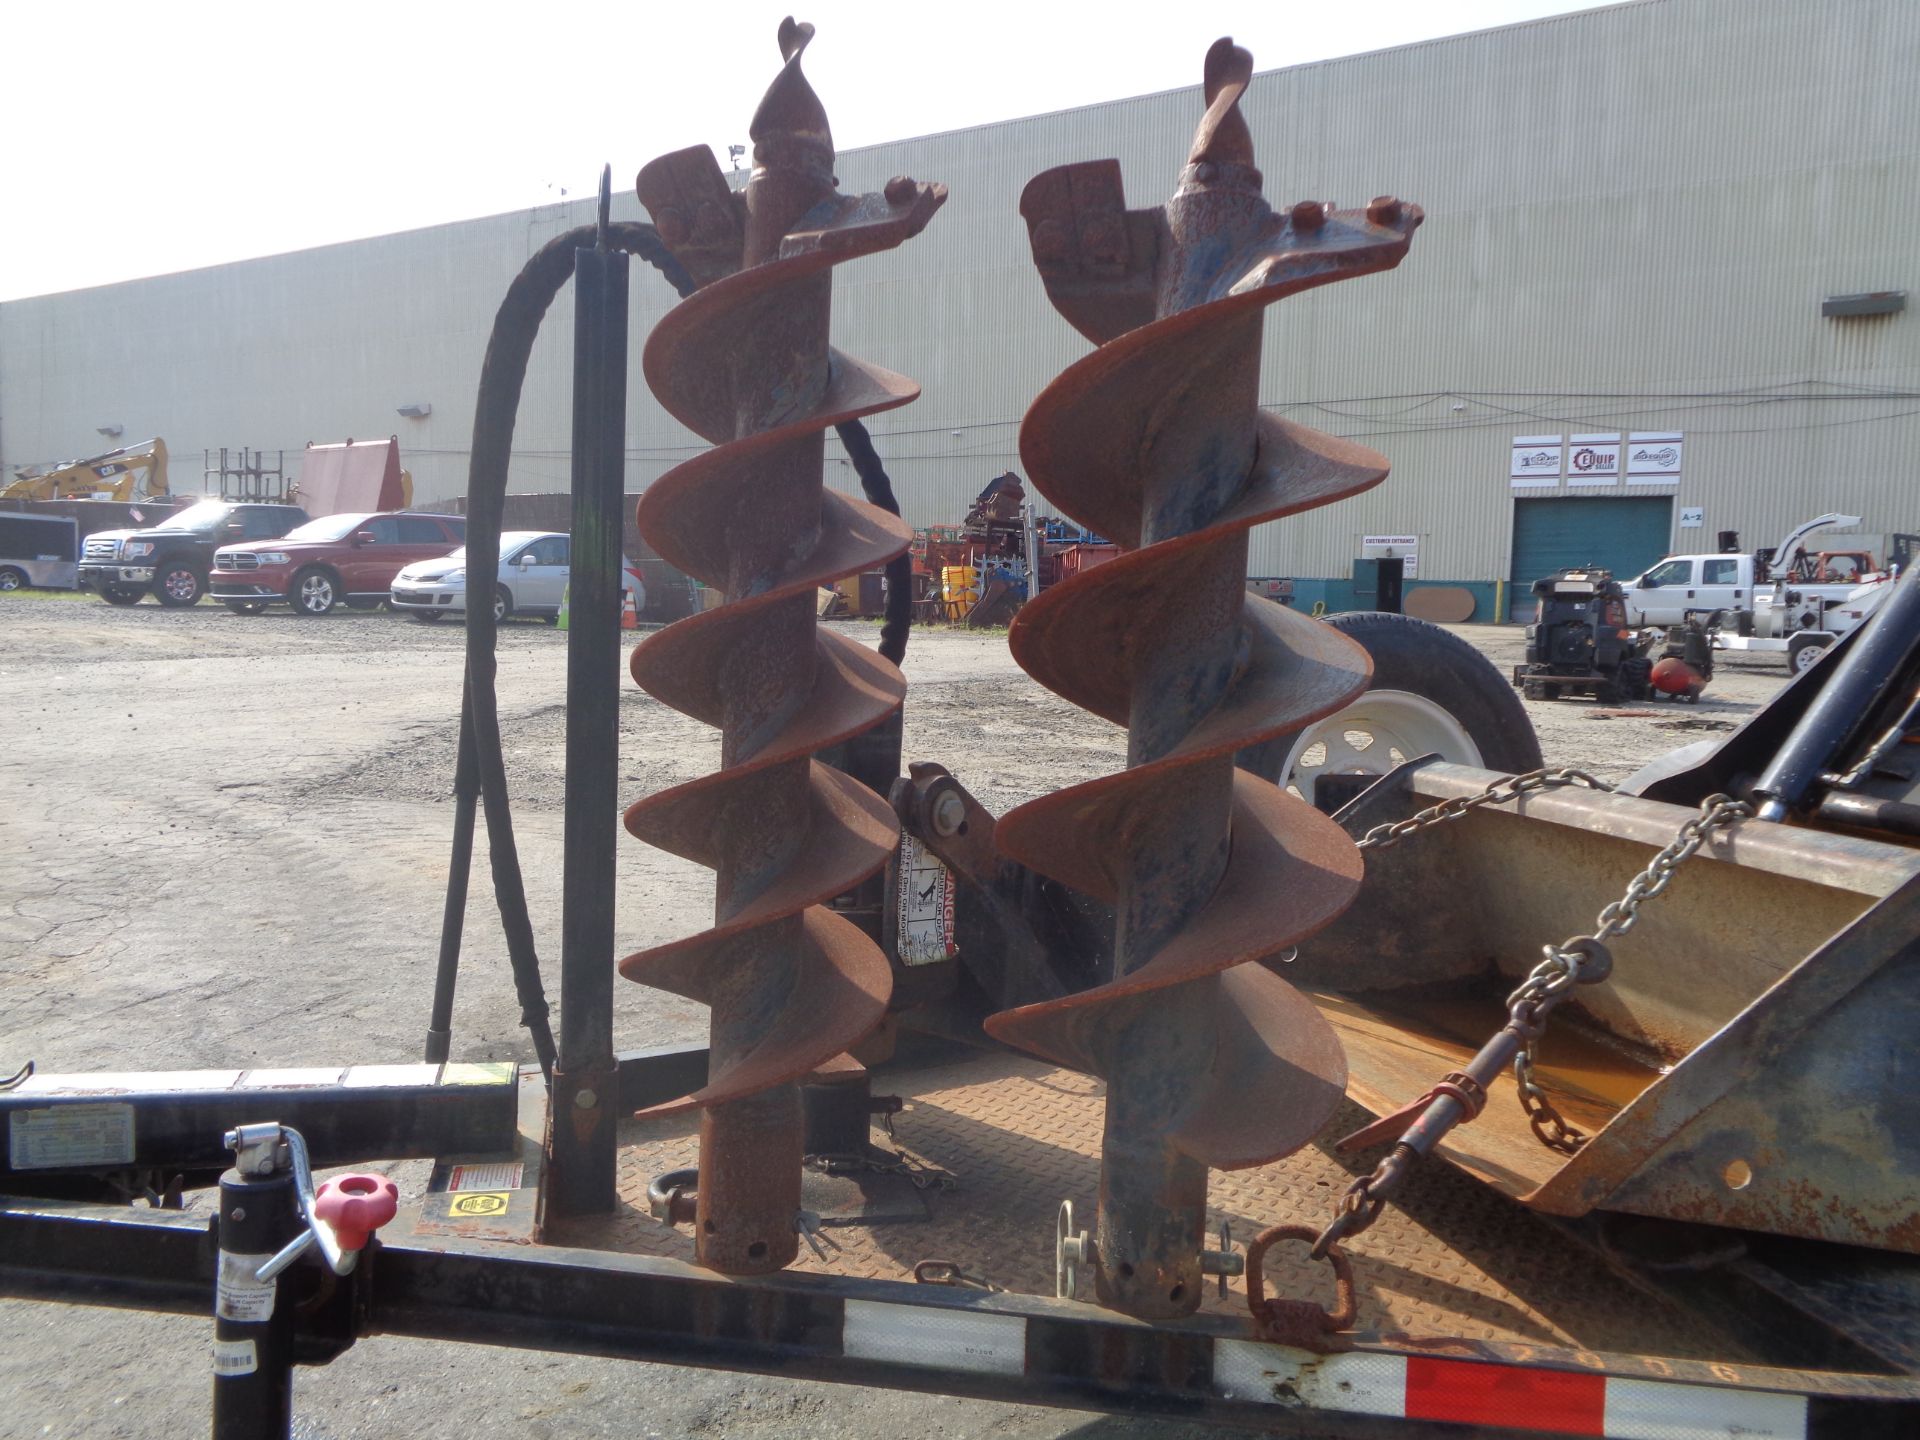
<point>926,906</point>
<point>501,1176</point>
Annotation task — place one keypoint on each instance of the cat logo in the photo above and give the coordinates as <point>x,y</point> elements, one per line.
<point>483,1203</point>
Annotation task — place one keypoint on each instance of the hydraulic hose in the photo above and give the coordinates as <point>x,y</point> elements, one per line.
<point>496,411</point>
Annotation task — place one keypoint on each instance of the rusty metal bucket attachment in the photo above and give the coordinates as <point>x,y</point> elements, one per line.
<point>1751,1060</point>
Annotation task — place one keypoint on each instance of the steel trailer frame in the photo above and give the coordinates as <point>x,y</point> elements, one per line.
<point>900,1335</point>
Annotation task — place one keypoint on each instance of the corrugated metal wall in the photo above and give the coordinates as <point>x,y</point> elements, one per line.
<point>1633,214</point>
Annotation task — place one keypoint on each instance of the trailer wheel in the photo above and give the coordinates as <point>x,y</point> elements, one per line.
<point>1432,693</point>
<point>1803,651</point>
<point>12,578</point>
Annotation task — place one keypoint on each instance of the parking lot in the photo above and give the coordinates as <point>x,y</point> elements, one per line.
<point>225,845</point>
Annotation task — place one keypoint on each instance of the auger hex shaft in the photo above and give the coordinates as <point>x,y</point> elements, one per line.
<point>1158,440</point>
<point>744,362</point>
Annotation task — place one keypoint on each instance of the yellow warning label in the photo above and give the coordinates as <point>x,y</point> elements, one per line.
<point>491,1072</point>
<point>484,1202</point>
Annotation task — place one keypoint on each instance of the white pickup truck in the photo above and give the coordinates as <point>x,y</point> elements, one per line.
<point>1664,594</point>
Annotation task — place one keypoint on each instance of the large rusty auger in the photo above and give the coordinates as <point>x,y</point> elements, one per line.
<point>1157,440</point>
<point>744,363</point>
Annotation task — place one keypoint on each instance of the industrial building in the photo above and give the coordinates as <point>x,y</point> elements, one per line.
<point>1660,294</point>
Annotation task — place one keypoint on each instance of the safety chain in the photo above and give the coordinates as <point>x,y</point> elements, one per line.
<point>1501,791</point>
<point>1585,960</point>
<point>922,1177</point>
<point>1581,960</point>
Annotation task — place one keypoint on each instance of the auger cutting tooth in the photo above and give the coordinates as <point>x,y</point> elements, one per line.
<point>744,363</point>
<point>1156,440</point>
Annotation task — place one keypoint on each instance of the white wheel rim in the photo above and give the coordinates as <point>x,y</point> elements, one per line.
<point>1380,730</point>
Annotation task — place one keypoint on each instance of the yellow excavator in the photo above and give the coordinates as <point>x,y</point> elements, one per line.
<point>135,472</point>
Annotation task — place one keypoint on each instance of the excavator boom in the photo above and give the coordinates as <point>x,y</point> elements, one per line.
<point>133,472</point>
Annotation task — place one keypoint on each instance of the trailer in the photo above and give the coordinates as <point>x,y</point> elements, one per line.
<point>39,550</point>
<point>1599,1044</point>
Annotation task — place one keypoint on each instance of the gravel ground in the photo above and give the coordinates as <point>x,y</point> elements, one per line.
<point>189,787</point>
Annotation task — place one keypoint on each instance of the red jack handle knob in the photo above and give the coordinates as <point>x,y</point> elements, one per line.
<point>356,1206</point>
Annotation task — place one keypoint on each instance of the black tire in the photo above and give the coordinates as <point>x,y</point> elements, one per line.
<point>502,604</point>
<point>12,578</point>
<point>426,615</point>
<point>1803,651</point>
<point>177,585</point>
<point>1437,665</point>
<point>120,595</point>
<point>246,607</point>
<point>315,591</point>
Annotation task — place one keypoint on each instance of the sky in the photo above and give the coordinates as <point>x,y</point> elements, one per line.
<point>146,138</point>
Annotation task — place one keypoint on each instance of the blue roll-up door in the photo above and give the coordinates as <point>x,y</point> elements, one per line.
<point>1621,534</point>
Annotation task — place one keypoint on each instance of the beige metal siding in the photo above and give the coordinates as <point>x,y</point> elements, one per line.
<point>1631,212</point>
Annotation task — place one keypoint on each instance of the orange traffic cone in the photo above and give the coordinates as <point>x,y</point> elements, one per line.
<point>629,617</point>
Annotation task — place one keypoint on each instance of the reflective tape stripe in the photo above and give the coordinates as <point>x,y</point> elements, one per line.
<point>1650,1410</point>
<point>1556,1402</point>
<point>934,1338</point>
<point>1469,1392</point>
<point>1280,1375</point>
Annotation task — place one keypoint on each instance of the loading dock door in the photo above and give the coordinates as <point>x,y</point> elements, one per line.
<point>1624,535</point>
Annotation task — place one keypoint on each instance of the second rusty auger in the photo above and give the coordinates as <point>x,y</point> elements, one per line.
<point>1157,439</point>
<point>745,364</point>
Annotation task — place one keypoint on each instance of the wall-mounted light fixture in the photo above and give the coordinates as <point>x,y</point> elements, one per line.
<point>113,432</point>
<point>417,411</point>
<point>1873,302</point>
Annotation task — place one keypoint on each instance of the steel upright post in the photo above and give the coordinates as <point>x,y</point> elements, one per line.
<point>585,1087</point>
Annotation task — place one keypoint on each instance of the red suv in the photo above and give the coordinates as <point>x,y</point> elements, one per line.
<point>341,559</point>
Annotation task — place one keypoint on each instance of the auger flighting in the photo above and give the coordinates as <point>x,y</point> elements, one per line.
<point>1157,439</point>
<point>745,364</point>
